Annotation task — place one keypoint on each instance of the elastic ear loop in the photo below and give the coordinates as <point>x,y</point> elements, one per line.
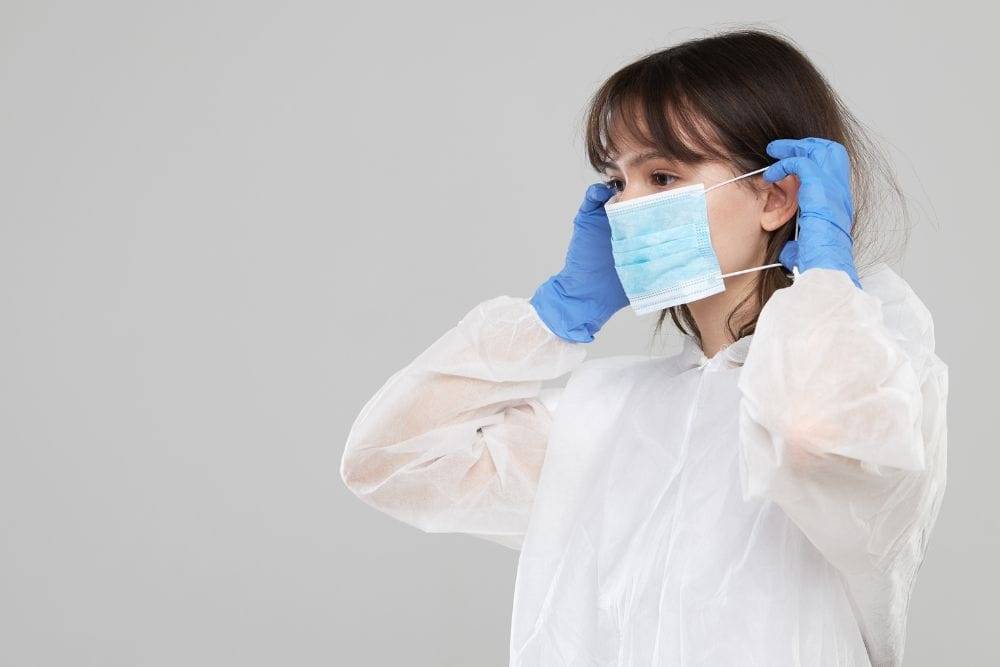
<point>795,268</point>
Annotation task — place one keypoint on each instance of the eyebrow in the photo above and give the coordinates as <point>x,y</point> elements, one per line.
<point>639,159</point>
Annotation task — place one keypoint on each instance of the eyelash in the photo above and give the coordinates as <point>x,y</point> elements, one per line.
<point>610,182</point>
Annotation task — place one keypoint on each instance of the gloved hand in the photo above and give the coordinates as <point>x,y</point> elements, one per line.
<point>576,302</point>
<point>826,207</point>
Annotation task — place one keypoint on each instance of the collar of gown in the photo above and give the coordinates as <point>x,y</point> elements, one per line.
<point>736,352</point>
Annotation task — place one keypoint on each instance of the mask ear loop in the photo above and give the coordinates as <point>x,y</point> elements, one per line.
<point>795,237</point>
<point>736,178</point>
<point>795,268</point>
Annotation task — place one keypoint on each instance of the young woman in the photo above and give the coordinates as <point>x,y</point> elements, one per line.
<point>765,496</point>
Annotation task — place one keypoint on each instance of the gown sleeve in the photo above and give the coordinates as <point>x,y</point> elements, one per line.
<point>454,442</point>
<point>843,423</point>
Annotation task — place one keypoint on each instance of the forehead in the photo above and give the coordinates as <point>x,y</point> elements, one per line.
<point>628,137</point>
<point>678,135</point>
<point>625,150</point>
<point>629,159</point>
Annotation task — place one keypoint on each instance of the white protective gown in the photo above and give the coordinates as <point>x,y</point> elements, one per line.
<point>769,506</point>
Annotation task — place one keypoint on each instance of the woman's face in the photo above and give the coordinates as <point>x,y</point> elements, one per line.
<point>739,217</point>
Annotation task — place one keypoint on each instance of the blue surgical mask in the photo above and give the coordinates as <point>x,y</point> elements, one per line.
<point>663,250</point>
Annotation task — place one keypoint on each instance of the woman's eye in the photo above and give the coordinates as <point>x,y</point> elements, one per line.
<point>660,179</point>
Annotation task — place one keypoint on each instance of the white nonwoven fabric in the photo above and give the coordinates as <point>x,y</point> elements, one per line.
<point>768,506</point>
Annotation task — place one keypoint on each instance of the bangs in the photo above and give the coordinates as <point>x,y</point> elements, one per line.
<point>647,109</point>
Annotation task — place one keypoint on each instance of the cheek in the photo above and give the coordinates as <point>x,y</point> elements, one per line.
<point>735,229</point>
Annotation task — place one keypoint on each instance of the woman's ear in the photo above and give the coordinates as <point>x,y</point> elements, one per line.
<point>782,199</point>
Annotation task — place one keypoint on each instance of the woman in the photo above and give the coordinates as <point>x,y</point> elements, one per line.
<point>765,496</point>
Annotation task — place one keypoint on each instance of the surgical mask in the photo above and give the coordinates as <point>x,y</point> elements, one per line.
<point>663,250</point>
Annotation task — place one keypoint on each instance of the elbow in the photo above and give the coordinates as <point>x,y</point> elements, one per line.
<point>355,475</point>
<point>371,479</point>
<point>352,469</point>
<point>360,461</point>
<point>349,474</point>
<point>367,471</point>
<point>346,472</point>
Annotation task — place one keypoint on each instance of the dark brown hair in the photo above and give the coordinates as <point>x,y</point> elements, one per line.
<point>725,97</point>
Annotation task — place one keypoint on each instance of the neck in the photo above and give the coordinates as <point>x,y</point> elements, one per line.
<point>711,313</point>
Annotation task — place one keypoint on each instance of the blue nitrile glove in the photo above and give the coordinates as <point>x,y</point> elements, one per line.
<point>826,207</point>
<point>576,302</point>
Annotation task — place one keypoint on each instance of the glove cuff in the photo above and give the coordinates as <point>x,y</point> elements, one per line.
<point>549,300</point>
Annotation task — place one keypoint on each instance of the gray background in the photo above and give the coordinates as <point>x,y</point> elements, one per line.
<point>224,225</point>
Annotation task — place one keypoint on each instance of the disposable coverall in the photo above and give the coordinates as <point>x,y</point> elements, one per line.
<point>768,506</point>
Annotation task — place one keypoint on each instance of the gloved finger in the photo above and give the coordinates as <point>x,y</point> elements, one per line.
<point>819,143</point>
<point>829,155</point>
<point>597,195</point>
<point>789,255</point>
<point>831,159</point>
<point>811,192</point>
<point>782,148</point>
<point>801,166</point>
<point>808,147</point>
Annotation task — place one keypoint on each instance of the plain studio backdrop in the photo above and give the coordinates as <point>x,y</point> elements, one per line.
<point>225,224</point>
